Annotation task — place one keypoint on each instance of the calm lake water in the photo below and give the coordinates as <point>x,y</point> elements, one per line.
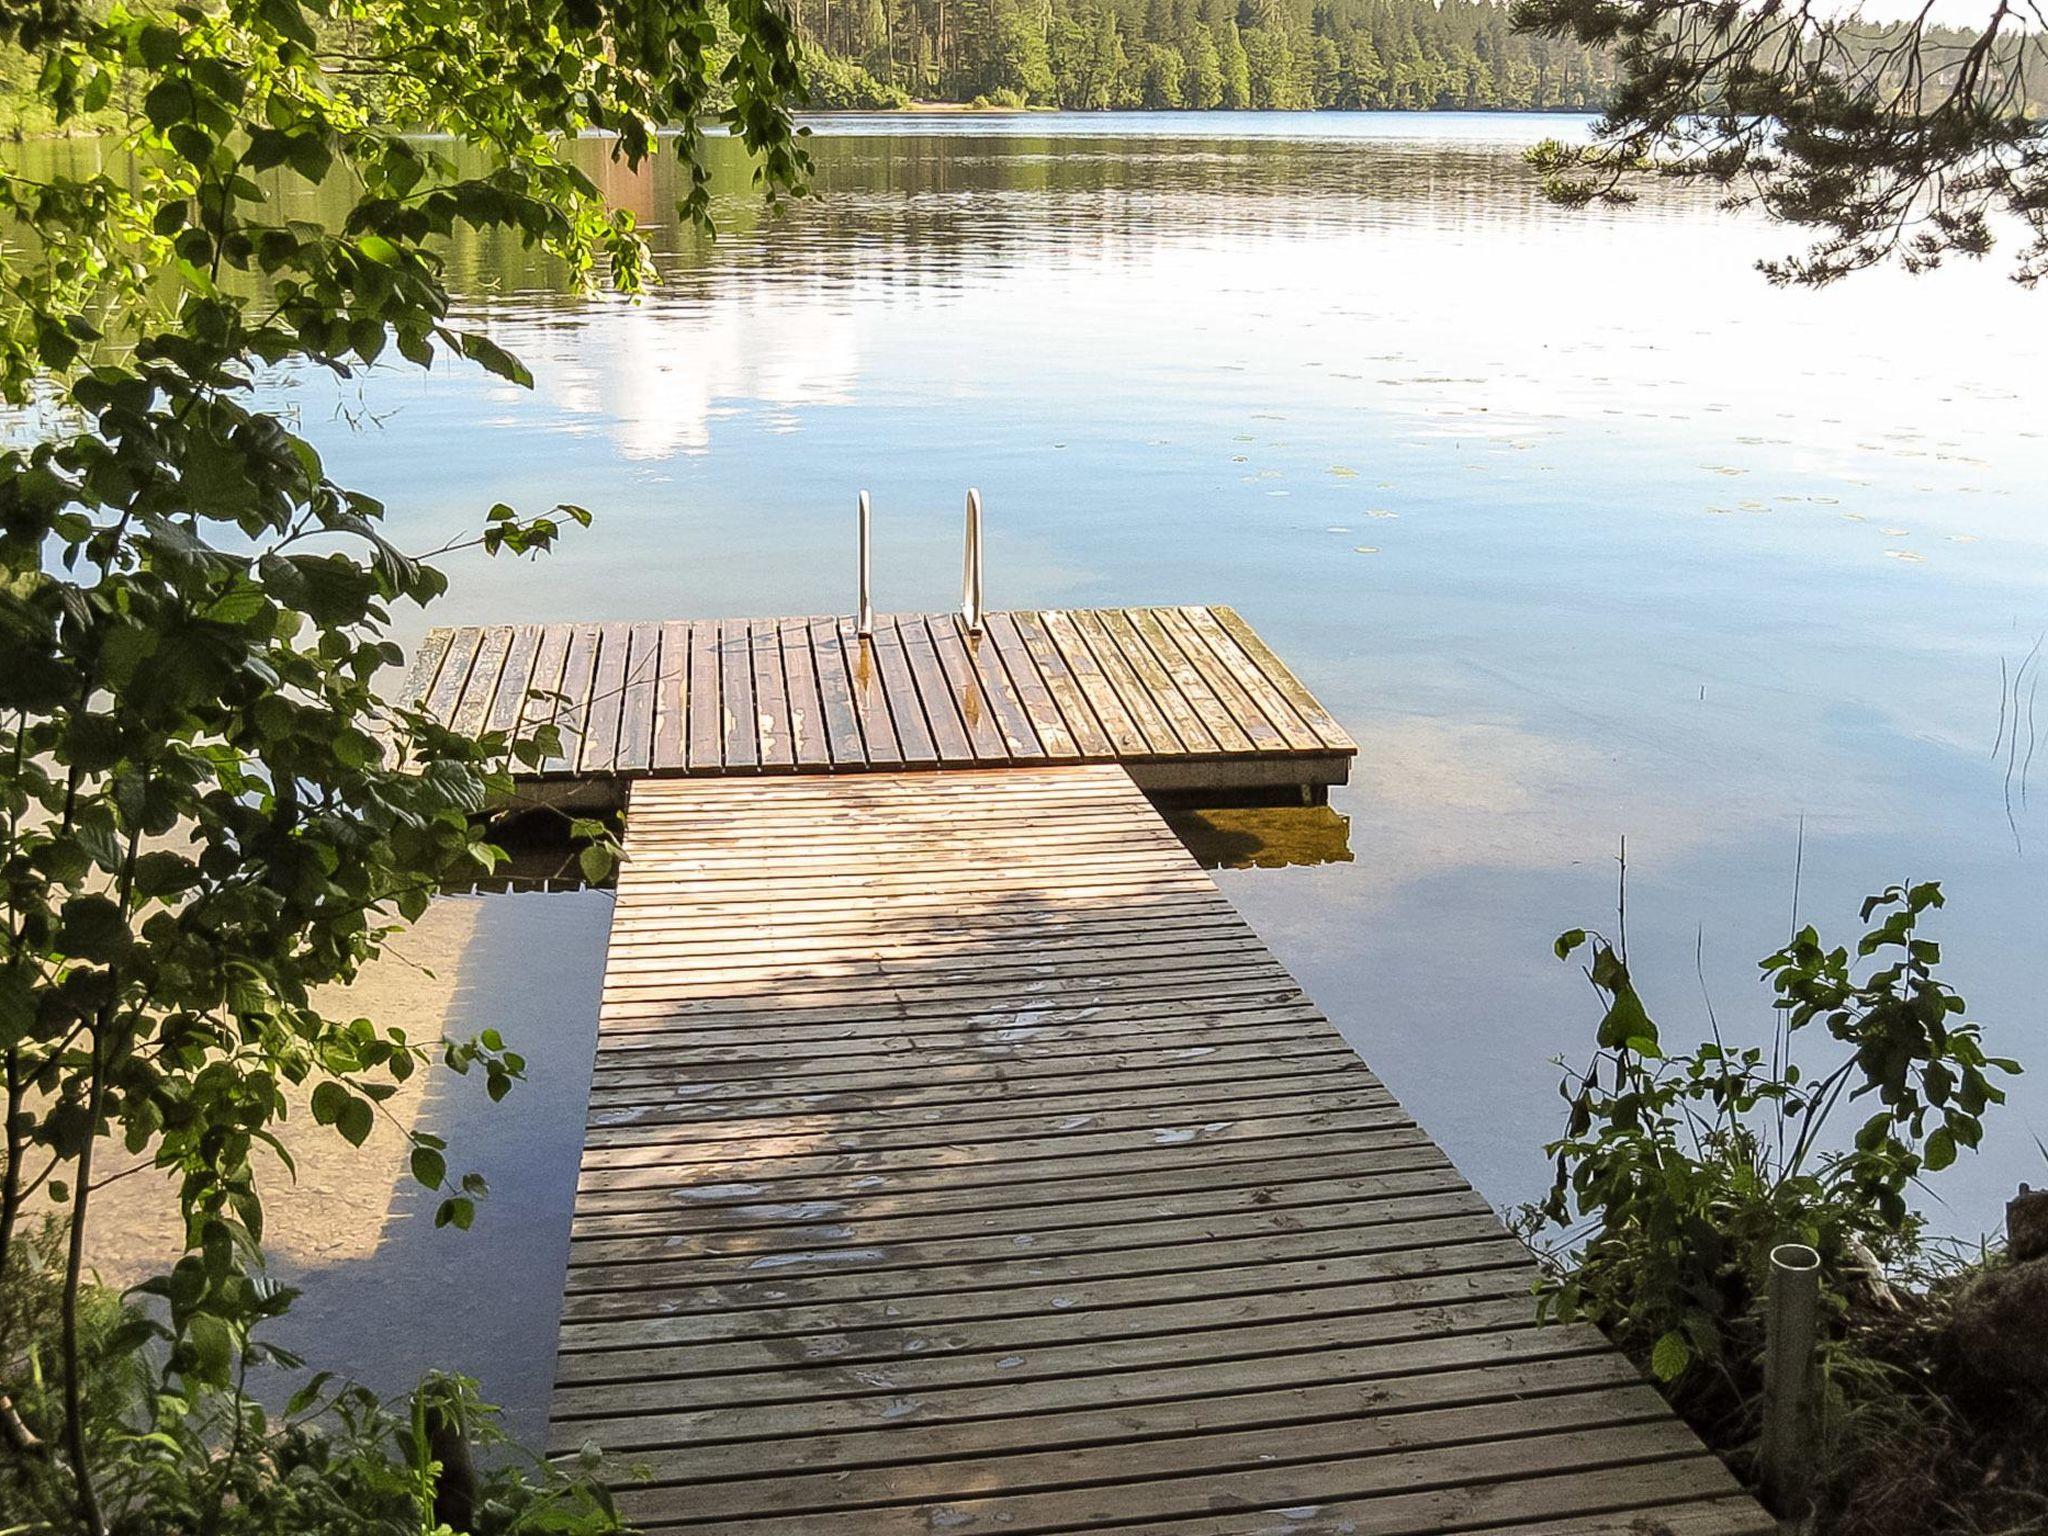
<point>1584,531</point>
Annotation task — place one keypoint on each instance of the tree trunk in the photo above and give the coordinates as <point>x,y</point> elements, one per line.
<point>74,1273</point>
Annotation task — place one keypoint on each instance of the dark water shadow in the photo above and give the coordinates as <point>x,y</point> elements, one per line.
<point>483,1302</point>
<point>1262,836</point>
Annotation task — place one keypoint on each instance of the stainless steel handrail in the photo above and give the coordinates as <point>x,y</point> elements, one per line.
<point>864,624</point>
<point>970,575</point>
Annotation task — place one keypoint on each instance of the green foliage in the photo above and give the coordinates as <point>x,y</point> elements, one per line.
<point>1020,65</point>
<point>1100,54</point>
<point>333,1461</point>
<point>841,85</point>
<point>209,804</point>
<point>1677,1173</point>
<point>1892,140</point>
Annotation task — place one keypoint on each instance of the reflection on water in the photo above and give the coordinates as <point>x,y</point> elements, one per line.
<point>1581,529</point>
<point>1262,836</point>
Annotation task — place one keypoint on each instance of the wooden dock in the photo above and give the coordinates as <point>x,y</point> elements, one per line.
<point>959,1161</point>
<point>1188,699</point>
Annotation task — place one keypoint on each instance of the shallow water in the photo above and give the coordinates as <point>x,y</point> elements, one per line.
<point>1582,530</point>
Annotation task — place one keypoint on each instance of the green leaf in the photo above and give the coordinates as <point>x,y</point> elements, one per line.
<point>169,101</point>
<point>595,860</point>
<point>1627,1024</point>
<point>355,1120</point>
<point>479,348</point>
<point>92,928</point>
<point>329,1100</point>
<point>456,1211</point>
<point>1941,1150</point>
<point>239,604</point>
<point>429,1167</point>
<point>209,1349</point>
<point>1671,1357</point>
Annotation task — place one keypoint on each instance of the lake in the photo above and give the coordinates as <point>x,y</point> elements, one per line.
<point>1581,528</point>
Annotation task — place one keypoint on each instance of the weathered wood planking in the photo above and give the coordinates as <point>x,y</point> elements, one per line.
<point>1186,697</point>
<point>958,1160</point>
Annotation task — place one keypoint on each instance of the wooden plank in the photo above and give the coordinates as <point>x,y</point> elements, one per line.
<point>1154,684</point>
<point>672,699</point>
<point>771,696</point>
<point>1090,734</point>
<point>1451,1315</point>
<point>544,690</point>
<point>572,707</point>
<point>931,1268</point>
<point>635,752</point>
<point>1004,648</point>
<point>985,731</point>
<point>607,699</point>
<point>453,677</point>
<point>1409,1375</point>
<point>516,681</point>
<point>1330,1316</point>
<point>1261,732</point>
<point>1017,1303</point>
<point>884,692</point>
<point>889,742</point>
<point>1127,739</point>
<point>922,679</point>
<point>1372,1481</point>
<point>1318,719</point>
<point>474,708</point>
<point>957,1157</point>
<point>706,702</point>
<point>1216,718</point>
<point>1139,701</point>
<point>976,670</point>
<point>1229,656</point>
<point>910,1125</point>
<point>418,685</point>
<point>741,752</point>
<point>688,1222</point>
<point>852,1462</point>
<point>810,741</point>
<point>846,747</point>
<point>1055,1223</point>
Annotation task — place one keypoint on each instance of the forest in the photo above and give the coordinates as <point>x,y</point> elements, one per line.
<point>1154,54</point>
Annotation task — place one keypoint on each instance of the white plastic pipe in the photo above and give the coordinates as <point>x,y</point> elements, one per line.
<point>864,622</point>
<point>970,575</point>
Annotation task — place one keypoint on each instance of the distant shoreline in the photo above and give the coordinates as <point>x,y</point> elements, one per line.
<point>970,109</point>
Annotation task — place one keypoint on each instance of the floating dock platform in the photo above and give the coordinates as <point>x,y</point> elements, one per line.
<point>1187,699</point>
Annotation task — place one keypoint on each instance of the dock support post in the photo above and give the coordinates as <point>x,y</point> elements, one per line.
<point>1787,1448</point>
<point>864,621</point>
<point>970,575</point>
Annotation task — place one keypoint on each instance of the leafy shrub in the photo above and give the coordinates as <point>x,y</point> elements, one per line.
<point>840,85</point>
<point>183,1458</point>
<point>1678,1173</point>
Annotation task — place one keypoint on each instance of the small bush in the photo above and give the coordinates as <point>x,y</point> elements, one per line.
<point>1678,1173</point>
<point>839,85</point>
<point>177,1459</point>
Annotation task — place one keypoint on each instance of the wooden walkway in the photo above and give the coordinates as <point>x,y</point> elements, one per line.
<point>1188,698</point>
<point>959,1161</point>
